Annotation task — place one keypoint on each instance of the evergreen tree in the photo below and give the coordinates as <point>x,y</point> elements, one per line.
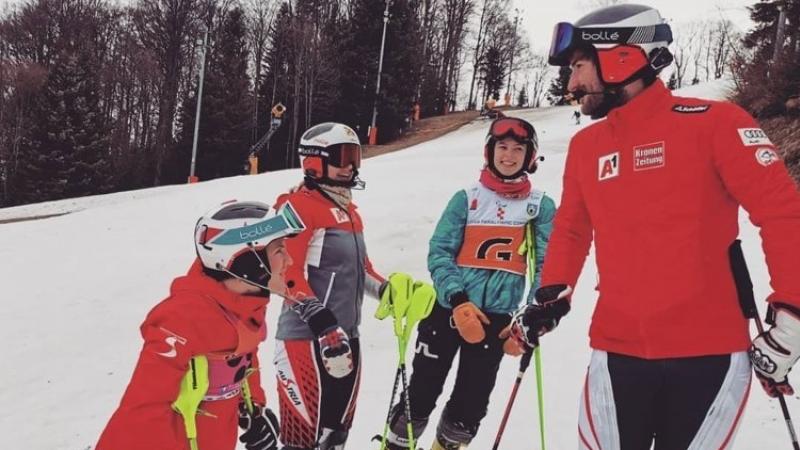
<point>65,153</point>
<point>558,88</point>
<point>522,97</point>
<point>493,73</point>
<point>359,53</point>
<point>766,82</point>
<point>224,136</point>
<point>278,74</point>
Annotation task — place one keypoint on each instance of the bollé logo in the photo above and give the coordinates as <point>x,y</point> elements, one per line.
<point>260,230</point>
<point>599,36</point>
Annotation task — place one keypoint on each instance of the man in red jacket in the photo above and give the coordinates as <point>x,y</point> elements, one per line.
<point>208,331</point>
<point>657,186</point>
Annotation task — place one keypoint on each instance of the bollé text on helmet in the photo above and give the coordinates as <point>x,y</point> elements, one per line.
<point>599,36</point>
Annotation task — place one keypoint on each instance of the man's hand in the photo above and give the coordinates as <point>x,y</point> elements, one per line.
<point>774,352</point>
<point>532,321</point>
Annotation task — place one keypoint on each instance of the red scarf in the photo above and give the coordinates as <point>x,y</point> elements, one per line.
<point>516,188</point>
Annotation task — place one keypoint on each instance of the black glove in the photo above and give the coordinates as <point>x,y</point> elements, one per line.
<point>532,321</point>
<point>261,429</point>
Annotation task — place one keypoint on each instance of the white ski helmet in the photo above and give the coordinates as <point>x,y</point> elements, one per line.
<point>230,239</point>
<point>327,144</point>
<point>631,42</point>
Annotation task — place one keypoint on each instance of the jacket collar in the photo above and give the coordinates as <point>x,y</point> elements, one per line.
<point>643,106</point>
<point>197,282</point>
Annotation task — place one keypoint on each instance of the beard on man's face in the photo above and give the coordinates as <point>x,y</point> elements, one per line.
<point>590,103</point>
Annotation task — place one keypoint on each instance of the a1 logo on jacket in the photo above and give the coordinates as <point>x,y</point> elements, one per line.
<point>608,166</point>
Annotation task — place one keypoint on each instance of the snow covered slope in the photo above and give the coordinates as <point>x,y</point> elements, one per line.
<point>75,288</point>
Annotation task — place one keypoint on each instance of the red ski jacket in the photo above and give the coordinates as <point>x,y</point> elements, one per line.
<point>658,187</point>
<point>196,319</point>
<point>329,263</point>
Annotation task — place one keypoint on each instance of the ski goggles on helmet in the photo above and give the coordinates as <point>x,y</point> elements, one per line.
<point>567,37</point>
<point>337,155</point>
<point>285,223</point>
<point>512,127</point>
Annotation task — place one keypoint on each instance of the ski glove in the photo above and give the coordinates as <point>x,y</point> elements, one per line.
<point>774,352</point>
<point>261,428</point>
<point>334,344</point>
<point>468,318</point>
<point>337,357</point>
<point>534,320</point>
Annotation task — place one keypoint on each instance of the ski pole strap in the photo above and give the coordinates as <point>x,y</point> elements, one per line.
<point>194,385</point>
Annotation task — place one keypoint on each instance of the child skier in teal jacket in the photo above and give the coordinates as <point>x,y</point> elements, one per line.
<point>478,259</point>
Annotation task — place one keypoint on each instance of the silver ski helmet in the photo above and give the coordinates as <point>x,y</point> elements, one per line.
<point>231,239</point>
<point>630,42</point>
<point>330,144</point>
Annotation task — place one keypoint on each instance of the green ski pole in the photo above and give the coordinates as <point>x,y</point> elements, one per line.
<point>537,352</point>
<point>408,302</point>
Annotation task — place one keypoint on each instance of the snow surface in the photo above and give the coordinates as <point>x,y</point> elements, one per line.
<point>76,287</point>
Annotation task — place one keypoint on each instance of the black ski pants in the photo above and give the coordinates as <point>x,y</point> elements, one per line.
<point>694,403</point>
<point>438,342</point>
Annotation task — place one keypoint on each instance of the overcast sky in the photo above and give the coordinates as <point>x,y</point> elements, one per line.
<point>539,16</point>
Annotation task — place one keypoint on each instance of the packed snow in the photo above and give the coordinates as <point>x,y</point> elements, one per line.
<point>76,287</point>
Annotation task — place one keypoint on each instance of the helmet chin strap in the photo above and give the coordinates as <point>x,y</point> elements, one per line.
<point>613,95</point>
<point>354,182</point>
<point>264,264</point>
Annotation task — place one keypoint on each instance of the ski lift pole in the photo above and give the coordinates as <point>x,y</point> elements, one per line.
<point>276,118</point>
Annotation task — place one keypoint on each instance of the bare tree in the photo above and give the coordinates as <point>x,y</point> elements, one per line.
<point>261,14</point>
<point>684,46</point>
<point>456,15</point>
<point>491,11</point>
<point>721,46</point>
<point>539,72</point>
<point>698,45</point>
<point>167,28</point>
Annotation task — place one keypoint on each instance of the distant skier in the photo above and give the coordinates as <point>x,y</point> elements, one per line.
<point>318,354</point>
<point>657,186</point>
<point>577,116</point>
<point>480,280</point>
<point>489,110</point>
<point>208,331</point>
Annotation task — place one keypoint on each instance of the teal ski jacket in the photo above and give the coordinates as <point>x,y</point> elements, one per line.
<point>492,290</point>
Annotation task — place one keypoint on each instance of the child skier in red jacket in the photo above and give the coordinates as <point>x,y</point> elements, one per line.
<point>196,381</point>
